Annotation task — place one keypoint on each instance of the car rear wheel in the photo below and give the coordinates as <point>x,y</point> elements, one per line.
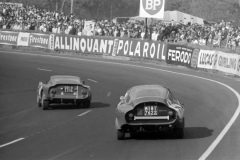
<point>120,134</point>
<point>87,104</point>
<point>179,133</point>
<point>45,105</point>
<point>39,102</point>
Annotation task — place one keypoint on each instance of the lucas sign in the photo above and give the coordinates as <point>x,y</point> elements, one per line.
<point>152,9</point>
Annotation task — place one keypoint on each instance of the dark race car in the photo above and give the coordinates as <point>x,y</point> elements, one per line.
<point>63,89</point>
<point>149,108</point>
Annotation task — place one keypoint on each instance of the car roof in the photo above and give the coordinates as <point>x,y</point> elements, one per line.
<point>144,91</point>
<point>65,79</point>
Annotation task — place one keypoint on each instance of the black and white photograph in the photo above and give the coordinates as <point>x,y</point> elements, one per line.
<point>119,79</point>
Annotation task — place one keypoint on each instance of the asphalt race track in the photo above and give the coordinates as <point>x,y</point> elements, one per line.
<point>68,133</point>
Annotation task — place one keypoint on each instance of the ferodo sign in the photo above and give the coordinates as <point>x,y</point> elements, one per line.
<point>206,59</point>
<point>179,55</point>
<point>111,46</point>
<point>152,8</point>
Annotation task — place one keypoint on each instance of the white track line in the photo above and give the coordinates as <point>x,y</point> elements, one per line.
<point>6,144</point>
<point>84,113</point>
<point>92,80</point>
<point>42,69</point>
<point>219,137</point>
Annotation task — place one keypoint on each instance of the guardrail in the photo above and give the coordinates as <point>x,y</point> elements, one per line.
<point>176,54</point>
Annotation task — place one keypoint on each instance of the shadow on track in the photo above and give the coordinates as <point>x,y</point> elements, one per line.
<point>189,133</point>
<point>73,106</point>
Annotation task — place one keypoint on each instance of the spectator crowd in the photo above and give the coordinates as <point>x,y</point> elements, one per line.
<point>15,17</point>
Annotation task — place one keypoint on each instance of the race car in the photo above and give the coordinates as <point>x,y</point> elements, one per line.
<point>63,89</point>
<point>147,108</point>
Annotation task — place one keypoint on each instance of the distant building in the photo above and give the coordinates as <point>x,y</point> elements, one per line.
<point>180,17</point>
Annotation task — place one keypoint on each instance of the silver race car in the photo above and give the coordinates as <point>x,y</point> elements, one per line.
<point>149,108</point>
<point>62,89</point>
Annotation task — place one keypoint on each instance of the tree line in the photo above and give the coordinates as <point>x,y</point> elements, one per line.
<point>210,10</point>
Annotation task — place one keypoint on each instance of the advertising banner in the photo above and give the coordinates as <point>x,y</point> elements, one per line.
<point>8,38</point>
<point>39,40</point>
<point>23,39</point>
<point>227,62</point>
<point>152,9</point>
<point>179,55</point>
<point>88,29</point>
<point>238,67</point>
<point>206,59</point>
<point>143,49</point>
<point>194,59</point>
<point>110,46</point>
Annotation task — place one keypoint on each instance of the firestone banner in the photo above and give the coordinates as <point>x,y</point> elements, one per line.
<point>8,38</point>
<point>39,40</point>
<point>152,9</point>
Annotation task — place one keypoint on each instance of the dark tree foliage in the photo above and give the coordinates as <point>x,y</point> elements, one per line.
<point>211,10</point>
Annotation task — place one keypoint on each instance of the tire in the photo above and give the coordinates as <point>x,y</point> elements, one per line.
<point>179,133</point>
<point>39,102</point>
<point>87,104</point>
<point>120,134</point>
<point>45,105</point>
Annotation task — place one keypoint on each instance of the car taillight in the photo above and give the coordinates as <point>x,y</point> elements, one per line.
<point>53,91</point>
<point>129,116</point>
<point>84,92</point>
<point>170,113</point>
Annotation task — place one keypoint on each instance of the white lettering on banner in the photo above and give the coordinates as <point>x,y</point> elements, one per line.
<point>145,49</point>
<point>152,50</point>
<point>137,50</point>
<point>95,46</point>
<point>110,44</point>
<point>126,45</point>
<point>163,56</point>
<point>39,40</point>
<point>8,37</point>
<point>89,44</point>
<point>152,4</point>
<point>103,46</point>
<point>206,59</point>
<point>61,42</point>
<point>76,44</point>
<point>227,62</point>
<point>130,50</point>
<point>177,56</point>
<point>83,44</point>
<point>120,46</point>
<point>66,44</point>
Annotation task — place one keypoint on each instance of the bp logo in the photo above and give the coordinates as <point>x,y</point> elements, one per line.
<point>152,6</point>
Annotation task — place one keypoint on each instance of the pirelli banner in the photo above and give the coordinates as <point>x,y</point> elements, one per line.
<point>111,46</point>
<point>182,55</point>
